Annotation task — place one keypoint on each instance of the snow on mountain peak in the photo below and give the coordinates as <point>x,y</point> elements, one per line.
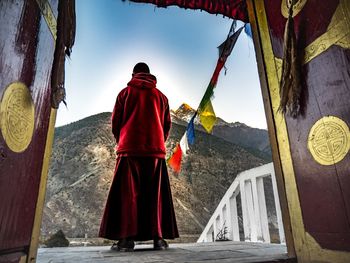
<point>185,112</point>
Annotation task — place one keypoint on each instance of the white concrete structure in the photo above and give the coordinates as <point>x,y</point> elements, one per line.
<point>249,184</point>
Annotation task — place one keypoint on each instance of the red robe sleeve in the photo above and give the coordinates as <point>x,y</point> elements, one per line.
<point>117,116</point>
<point>167,123</point>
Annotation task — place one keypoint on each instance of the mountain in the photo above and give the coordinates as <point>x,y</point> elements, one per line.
<point>82,165</point>
<point>254,140</point>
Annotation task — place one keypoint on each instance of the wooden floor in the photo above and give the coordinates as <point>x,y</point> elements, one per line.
<point>228,251</point>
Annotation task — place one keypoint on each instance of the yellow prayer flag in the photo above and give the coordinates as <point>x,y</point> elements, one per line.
<point>207,117</point>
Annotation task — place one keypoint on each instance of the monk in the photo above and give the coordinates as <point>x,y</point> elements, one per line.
<point>139,205</point>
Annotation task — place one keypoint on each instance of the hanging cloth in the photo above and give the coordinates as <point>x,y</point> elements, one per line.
<point>290,86</point>
<point>65,40</point>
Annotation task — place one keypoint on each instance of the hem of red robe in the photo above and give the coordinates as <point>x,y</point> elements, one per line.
<point>139,204</point>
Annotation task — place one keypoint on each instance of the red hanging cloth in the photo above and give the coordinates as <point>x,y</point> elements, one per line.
<point>236,9</point>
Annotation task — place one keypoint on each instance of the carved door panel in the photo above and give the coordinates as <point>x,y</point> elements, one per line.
<point>314,147</point>
<point>26,54</point>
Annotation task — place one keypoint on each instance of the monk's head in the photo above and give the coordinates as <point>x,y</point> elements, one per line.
<point>141,67</point>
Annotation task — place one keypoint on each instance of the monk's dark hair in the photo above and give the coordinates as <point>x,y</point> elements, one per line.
<point>141,67</point>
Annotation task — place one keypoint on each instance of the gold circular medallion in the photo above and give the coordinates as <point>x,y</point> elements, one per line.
<point>17,116</point>
<point>298,6</point>
<point>329,140</point>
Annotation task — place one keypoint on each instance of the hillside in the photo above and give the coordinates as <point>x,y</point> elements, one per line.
<point>82,166</point>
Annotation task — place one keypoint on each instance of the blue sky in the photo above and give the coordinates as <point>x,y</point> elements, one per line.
<point>179,46</point>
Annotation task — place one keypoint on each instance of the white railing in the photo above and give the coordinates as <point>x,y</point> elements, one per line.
<point>225,222</point>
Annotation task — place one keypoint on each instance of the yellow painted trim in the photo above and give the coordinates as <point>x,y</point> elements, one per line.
<point>272,129</point>
<point>48,15</point>
<point>51,22</point>
<point>337,33</point>
<point>23,259</point>
<point>42,189</point>
<point>281,129</point>
<point>306,247</point>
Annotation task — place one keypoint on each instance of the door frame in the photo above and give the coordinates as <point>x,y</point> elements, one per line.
<point>299,243</point>
<point>296,236</point>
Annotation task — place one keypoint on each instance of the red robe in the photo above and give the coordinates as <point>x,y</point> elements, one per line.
<point>139,204</point>
<point>141,118</point>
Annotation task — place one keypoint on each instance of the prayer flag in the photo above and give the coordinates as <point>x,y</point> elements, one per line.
<point>206,111</point>
<point>210,89</point>
<point>226,47</point>
<point>175,160</point>
<point>248,30</point>
<point>225,50</point>
<point>208,117</point>
<point>184,144</point>
<point>190,130</point>
<point>181,148</point>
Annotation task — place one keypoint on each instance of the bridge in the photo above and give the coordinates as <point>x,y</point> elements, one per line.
<point>246,197</point>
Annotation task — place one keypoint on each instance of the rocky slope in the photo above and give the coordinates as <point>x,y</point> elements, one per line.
<point>82,166</point>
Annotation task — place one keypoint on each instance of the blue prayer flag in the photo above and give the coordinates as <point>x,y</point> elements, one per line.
<point>248,30</point>
<point>190,130</point>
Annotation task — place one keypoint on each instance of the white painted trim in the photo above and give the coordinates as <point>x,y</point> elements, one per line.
<point>278,208</point>
<point>263,211</point>
<point>255,222</point>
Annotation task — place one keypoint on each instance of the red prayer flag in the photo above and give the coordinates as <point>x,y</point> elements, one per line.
<point>175,160</point>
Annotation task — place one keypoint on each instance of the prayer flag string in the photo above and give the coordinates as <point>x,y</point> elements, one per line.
<point>205,109</point>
